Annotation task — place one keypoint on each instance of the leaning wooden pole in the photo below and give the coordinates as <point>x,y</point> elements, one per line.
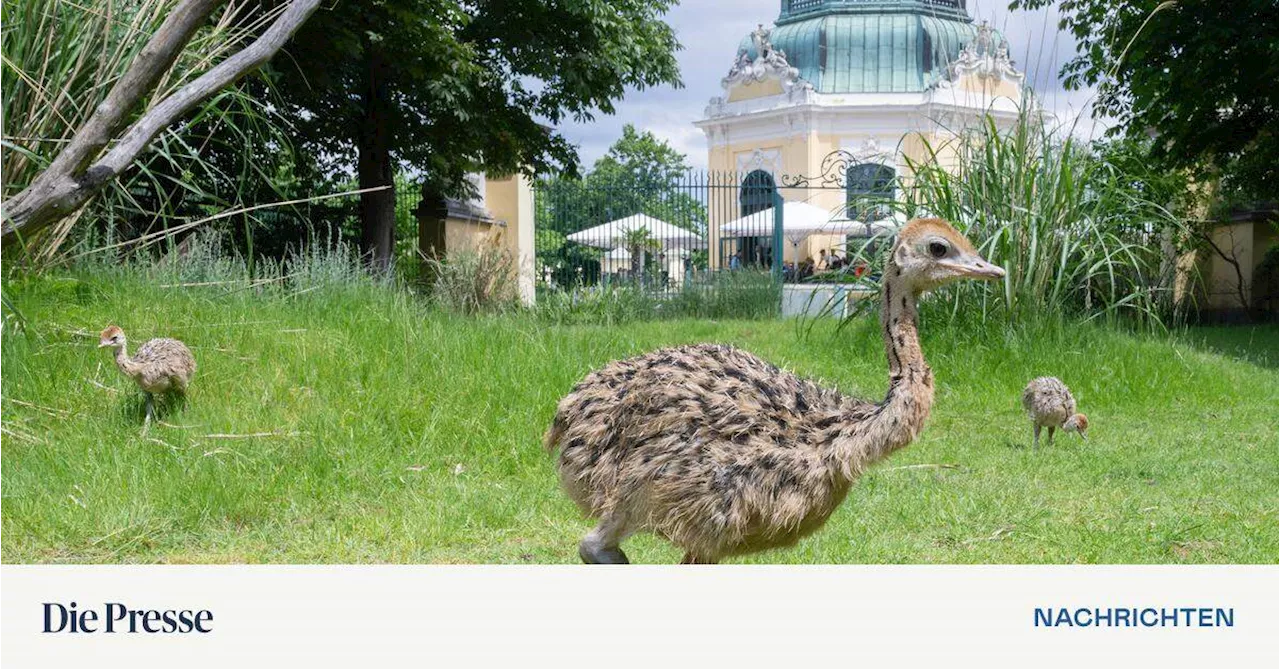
<point>82,169</point>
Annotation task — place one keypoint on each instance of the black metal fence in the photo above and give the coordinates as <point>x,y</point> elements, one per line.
<point>656,233</point>
<point>669,233</point>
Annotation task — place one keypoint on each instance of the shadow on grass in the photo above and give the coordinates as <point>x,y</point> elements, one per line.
<point>133,408</point>
<point>1256,344</point>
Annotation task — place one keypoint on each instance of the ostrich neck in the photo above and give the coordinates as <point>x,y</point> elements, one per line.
<point>125,363</point>
<point>892,424</point>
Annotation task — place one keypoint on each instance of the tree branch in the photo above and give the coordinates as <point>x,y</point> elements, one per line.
<point>57,193</point>
<point>140,79</point>
<point>1230,259</point>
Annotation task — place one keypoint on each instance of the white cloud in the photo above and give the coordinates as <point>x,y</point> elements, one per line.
<point>711,32</point>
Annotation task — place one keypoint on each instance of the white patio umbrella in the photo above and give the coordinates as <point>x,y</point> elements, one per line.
<point>613,234</point>
<point>801,219</point>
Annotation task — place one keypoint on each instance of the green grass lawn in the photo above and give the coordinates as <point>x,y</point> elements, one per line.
<point>359,426</point>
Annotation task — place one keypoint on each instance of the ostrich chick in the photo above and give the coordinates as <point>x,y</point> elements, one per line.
<point>724,454</point>
<point>1050,404</point>
<point>161,365</point>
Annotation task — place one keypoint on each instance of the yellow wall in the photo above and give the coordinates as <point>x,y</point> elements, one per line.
<point>510,199</point>
<point>989,89</point>
<point>799,155</point>
<point>471,235</point>
<point>1219,284</point>
<point>758,89</point>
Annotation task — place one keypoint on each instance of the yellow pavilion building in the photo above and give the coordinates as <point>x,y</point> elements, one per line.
<point>845,92</point>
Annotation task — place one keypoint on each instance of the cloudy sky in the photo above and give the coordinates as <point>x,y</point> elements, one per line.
<point>711,29</point>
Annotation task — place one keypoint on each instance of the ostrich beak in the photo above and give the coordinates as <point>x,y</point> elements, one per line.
<point>974,267</point>
<point>103,344</point>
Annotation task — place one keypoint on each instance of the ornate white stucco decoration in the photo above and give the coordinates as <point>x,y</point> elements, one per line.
<point>797,124</point>
<point>717,135</point>
<point>983,58</point>
<point>716,107</point>
<point>769,63</point>
<point>869,151</point>
<point>769,160</point>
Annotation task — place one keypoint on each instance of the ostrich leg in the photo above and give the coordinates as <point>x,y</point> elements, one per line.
<point>151,406</point>
<point>1035,444</point>
<point>1050,435</point>
<point>690,558</point>
<point>600,546</point>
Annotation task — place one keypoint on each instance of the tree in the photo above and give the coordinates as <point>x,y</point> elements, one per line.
<point>643,174</point>
<point>443,87</point>
<point>107,143</point>
<point>1199,76</point>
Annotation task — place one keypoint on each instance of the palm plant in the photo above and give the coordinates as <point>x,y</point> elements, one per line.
<point>639,243</point>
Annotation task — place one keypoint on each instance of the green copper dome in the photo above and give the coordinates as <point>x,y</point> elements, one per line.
<point>869,46</point>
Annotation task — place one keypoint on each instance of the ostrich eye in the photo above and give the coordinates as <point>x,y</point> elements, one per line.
<point>937,249</point>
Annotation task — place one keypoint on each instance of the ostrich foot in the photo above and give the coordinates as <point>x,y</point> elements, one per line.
<point>592,554</point>
<point>601,545</point>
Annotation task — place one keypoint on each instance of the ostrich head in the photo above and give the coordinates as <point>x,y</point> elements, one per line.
<point>112,337</point>
<point>930,253</point>
<point>1078,424</point>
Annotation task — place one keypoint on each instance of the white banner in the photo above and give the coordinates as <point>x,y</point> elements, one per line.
<point>608,617</point>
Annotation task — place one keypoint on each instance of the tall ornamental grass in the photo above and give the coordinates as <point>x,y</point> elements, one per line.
<point>61,58</point>
<point>1074,229</point>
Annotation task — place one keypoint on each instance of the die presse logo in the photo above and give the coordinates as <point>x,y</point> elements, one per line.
<point>116,618</point>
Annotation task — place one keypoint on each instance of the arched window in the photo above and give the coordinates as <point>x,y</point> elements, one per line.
<point>756,248</point>
<point>757,192</point>
<point>869,187</point>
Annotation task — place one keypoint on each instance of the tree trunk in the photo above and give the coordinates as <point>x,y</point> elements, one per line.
<point>431,214</point>
<point>374,168</point>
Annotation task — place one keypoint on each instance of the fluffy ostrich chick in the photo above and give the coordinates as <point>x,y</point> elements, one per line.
<point>1050,404</point>
<point>724,454</point>
<point>160,366</point>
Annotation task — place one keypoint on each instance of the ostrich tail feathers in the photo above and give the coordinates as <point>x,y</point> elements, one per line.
<point>551,439</point>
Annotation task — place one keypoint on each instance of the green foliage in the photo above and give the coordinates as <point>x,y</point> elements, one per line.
<point>743,295</point>
<point>372,428</point>
<point>446,88</point>
<point>600,305</point>
<point>1076,232</point>
<point>10,316</point>
<point>1201,76</point>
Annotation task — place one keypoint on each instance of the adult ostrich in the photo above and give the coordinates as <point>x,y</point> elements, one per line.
<point>724,454</point>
